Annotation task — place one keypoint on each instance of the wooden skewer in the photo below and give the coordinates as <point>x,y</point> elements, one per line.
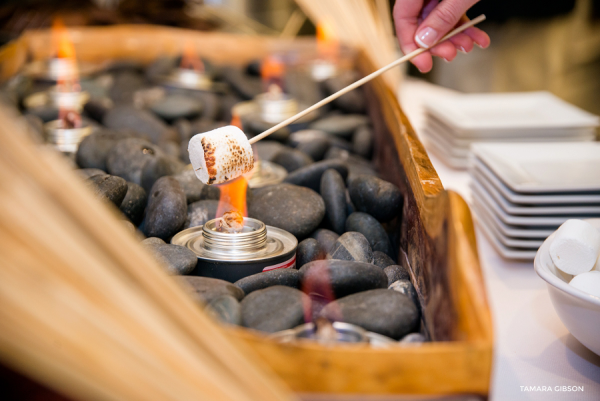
<point>364,80</point>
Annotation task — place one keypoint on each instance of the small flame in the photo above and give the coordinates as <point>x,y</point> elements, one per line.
<point>328,45</point>
<point>272,71</point>
<point>68,82</point>
<point>317,285</point>
<point>190,59</point>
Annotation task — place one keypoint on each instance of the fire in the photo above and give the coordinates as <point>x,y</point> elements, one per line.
<point>190,59</point>
<point>317,285</point>
<point>233,193</point>
<point>328,45</point>
<point>68,78</point>
<point>271,71</point>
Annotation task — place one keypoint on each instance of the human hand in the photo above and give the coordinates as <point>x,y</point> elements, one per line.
<point>420,23</point>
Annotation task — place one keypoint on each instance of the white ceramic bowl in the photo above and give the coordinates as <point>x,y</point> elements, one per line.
<point>579,311</point>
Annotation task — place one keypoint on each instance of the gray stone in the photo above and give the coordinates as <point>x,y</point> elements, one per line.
<point>134,203</point>
<point>326,239</point>
<point>315,149</point>
<point>382,260</point>
<point>194,189</point>
<point>381,199</point>
<point>273,309</point>
<point>333,191</point>
<point>125,84</point>
<point>357,165</point>
<point>198,213</point>
<point>292,208</point>
<point>245,85</point>
<point>97,108</point>
<point>177,106</point>
<point>292,159</point>
<point>310,176</point>
<point>108,188</point>
<point>308,136</point>
<point>140,121</point>
<point>385,312</point>
<point>413,338</point>
<point>259,281</point>
<point>395,273</point>
<point>171,148</point>
<point>153,241</point>
<point>340,124</point>
<point>341,276</point>
<point>362,142</point>
<point>94,149</point>
<point>267,150</point>
<point>349,205</point>
<point>86,173</point>
<point>368,226</point>
<point>405,287</point>
<point>176,259</point>
<point>351,102</point>
<point>352,246</point>
<point>227,309</point>
<point>135,159</point>
<point>166,211</point>
<point>206,289</point>
<point>308,251</point>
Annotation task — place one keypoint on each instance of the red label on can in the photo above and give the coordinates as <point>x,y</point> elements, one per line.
<point>288,264</point>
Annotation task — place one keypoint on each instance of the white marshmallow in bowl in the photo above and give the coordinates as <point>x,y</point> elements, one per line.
<point>575,247</point>
<point>588,282</point>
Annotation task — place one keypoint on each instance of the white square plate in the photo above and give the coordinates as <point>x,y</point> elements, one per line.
<point>511,111</point>
<point>504,251</point>
<point>554,199</point>
<point>533,168</point>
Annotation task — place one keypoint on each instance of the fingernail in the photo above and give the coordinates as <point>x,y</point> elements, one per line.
<point>446,60</point>
<point>426,37</point>
<point>461,49</point>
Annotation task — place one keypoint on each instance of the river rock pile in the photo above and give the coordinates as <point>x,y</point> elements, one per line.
<point>332,199</point>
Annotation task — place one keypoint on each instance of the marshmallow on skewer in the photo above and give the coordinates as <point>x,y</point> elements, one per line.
<point>575,247</point>
<point>221,155</point>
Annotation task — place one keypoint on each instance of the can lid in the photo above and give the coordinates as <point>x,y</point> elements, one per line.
<point>265,173</point>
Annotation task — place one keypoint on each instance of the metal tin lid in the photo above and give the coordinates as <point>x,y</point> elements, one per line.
<point>249,245</point>
<point>187,79</point>
<point>265,173</point>
<point>252,108</point>
<point>65,139</point>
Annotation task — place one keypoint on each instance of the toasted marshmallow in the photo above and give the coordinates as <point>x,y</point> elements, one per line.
<point>221,155</point>
<point>575,247</point>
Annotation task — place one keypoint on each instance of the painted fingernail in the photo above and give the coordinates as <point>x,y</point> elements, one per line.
<point>426,37</point>
<point>461,49</point>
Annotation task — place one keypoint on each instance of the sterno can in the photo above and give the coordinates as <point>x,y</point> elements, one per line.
<point>232,256</point>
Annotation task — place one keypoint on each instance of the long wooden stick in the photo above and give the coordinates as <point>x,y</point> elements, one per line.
<point>363,81</point>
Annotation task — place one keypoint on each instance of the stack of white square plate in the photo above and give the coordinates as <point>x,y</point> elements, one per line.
<point>522,192</point>
<point>455,122</point>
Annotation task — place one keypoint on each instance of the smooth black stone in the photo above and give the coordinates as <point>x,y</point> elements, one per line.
<point>86,173</point>
<point>44,113</point>
<point>198,213</point>
<point>362,142</point>
<point>352,246</point>
<point>292,159</point>
<point>368,226</point>
<point>126,83</point>
<point>381,311</point>
<point>395,273</point>
<point>349,205</point>
<point>211,105</point>
<point>253,68</point>
<point>315,149</point>
<point>227,309</point>
<point>171,148</point>
<point>340,124</point>
<point>308,251</point>
<point>134,203</point>
<point>183,127</point>
<point>96,108</point>
<point>405,287</point>
<point>206,289</point>
<point>159,68</point>
<point>326,239</point>
<point>173,107</point>
<point>194,189</point>
<point>166,211</point>
<point>292,208</point>
<point>109,188</point>
<point>382,260</point>
<point>94,149</point>
<point>267,150</point>
<point>259,281</point>
<point>351,102</point>
<point>254,124</point>
<point>381,199</point>
<point>156,168</point>
<point>300,85</point>
<point>310,176</point>
<point>201,125</point>
<point>228,101</point>
<point>333,191</point>
<point>413,338</point>
<point>153,241</point>
<point>273,309</point>
<point>140,121</point>
<point>176,259</point>
<point>343,277</point>
<point>356,165</point>
<point>246,86</point>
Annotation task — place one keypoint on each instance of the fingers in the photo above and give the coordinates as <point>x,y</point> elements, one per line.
<point>406,20</point>
<point>441,20</point>
<point>462,42</point>
<point>478,36</point>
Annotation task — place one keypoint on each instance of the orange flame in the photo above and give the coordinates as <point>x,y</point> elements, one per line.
<point>328,45</point>
<point>68,83</point>
<point>190,59</point>
<point>233,193</point>
<point>317,285</point>
<point>271,71</point>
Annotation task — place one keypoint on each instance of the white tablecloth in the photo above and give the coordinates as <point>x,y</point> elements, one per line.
<point>532,346</point>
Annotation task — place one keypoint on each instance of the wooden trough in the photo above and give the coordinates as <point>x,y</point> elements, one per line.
<point>436,239</point>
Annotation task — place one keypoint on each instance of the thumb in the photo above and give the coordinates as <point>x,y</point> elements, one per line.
<point>441,20</point>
